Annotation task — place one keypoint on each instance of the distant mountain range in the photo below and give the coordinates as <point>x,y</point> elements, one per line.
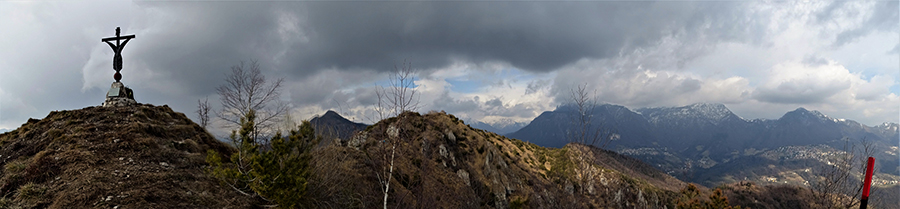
<point>705,135</point>
<point>680,128</point>
<point>500,127</point>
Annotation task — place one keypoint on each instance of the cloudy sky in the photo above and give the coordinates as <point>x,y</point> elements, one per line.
<point>485,61</point>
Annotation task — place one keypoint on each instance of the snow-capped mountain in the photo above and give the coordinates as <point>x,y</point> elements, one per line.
<point>888,127</point>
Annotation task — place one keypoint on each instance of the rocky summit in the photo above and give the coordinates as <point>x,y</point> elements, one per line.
<point>139,156</point>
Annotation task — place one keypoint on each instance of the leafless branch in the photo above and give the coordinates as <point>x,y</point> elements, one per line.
<point>247,89</point>
<point>584,132</point>
<point>400,96</point>
<point>203,112</point>
<point>839,183</point>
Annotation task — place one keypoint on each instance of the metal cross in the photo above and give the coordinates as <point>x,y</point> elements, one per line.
<point>117,49</point>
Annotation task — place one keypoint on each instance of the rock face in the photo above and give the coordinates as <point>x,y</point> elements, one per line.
<point>138,156</point>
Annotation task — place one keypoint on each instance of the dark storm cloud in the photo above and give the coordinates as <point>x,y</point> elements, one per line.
<point>194,44</point>
<point>534,36</point>
<point>326,51</point>
<point>198,43</point>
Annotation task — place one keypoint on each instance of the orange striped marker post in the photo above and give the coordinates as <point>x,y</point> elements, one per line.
<point>868,184</point>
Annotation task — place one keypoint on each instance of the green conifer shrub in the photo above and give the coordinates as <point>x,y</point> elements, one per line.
<point>277,173</point>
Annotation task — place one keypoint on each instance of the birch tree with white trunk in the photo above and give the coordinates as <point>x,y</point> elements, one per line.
<point>398,97</point>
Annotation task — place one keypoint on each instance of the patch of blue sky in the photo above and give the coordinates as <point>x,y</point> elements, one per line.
<point>516,74</point>
<point>464,85</point>
<point>867,75</point>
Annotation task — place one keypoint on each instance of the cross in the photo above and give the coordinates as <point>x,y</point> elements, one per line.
<point>117,48</point>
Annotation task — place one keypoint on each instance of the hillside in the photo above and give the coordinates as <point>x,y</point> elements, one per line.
<point>444,163</point>
<point>140,156</point>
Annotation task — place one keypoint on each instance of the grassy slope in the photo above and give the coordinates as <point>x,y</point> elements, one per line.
<point>132,157</point>
<point>444,163</point>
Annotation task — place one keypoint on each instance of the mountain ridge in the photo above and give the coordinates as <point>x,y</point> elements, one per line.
<point>701,136</point>
<point>708,115</point>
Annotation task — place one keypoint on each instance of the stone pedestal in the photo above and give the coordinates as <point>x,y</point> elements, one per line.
<point>119,96</point>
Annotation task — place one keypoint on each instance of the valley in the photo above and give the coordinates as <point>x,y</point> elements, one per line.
<point>710,145</point>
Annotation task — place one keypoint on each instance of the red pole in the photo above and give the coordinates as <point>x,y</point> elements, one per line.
<point>868,183</point>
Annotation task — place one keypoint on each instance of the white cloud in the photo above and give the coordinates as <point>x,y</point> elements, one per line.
<point>640,87</point>
<point>795,83</point>
<point>830,88</point>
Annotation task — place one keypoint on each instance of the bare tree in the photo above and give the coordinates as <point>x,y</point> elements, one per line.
<point>584,132</point>
<point>399,97</point>
<point>247,89</point>
<point>839,183</point>
<point>203,112</point>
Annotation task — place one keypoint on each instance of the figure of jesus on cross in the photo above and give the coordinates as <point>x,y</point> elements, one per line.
<point>117,48</point>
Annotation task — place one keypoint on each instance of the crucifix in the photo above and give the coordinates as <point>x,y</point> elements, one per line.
<point>117,49</point>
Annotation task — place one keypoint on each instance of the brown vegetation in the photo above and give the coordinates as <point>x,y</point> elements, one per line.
<point>151,157</point>
<point>444,163</point>
<point>131,157</point>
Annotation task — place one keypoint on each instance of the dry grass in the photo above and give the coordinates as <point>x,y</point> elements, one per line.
<point>132,157</point>
<point>444,163</point>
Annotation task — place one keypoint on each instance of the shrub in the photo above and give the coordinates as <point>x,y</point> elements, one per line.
<point>278,174</point>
